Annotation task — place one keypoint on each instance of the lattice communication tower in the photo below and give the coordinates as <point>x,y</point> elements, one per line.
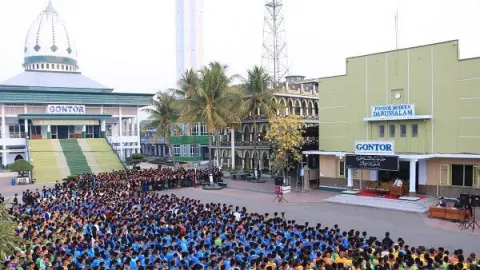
<point>274,52</point>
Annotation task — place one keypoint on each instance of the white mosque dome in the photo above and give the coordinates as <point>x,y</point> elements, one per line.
<point>48,46</point>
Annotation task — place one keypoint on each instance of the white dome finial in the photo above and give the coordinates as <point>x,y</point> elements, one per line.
<point>50,7</point>
<point>48,45</point>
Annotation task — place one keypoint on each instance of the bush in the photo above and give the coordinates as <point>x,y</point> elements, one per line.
<point>21,166</point>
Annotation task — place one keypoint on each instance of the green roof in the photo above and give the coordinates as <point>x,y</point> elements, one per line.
<point>15,95</point>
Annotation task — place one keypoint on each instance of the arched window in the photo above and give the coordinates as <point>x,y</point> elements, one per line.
<point>37,66</point>
<point>43,66</point>
<point>48,66</point>
<point>58,66</point>
<point>18,157</point>
<point>63,67</point>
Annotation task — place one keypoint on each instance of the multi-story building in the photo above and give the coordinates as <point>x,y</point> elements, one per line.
<point>423,101</point>
<point>299,96</point>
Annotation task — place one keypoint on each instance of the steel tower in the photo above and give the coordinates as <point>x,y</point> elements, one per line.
<point>274,52</point>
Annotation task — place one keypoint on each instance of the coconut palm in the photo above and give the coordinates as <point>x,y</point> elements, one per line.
<point>163,115</point>
<point>211,102</point>
<point>8,238</point>
<point>259,99</point>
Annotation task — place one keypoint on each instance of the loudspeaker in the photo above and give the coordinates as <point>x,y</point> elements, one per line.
<point>464,200</point>
<point>475,200</point>
<point>278,181</point>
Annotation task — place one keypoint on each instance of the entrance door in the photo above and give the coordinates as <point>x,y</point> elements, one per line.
<point>62,132</point>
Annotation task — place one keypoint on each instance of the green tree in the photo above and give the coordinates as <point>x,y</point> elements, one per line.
<point>286,136</point>
<point>135,159</point>
<point>211,102</point>
<point>8,238</point>
<point>21,166</point>
<point>259,99</point>
<point>162,116</point>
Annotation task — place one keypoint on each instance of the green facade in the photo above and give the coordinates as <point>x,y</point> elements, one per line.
<point>180,140</point>
<point>431,77</point>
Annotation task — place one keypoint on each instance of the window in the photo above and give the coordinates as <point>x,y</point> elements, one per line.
<point>403,131</point>
<point>414,130</point>
<point>392,131</point>
<point>193,151</point>
<point>381,131</point>
<point>203,129</point>
<point>462,175</point>
<point>341,168</point>
<point>176,150</point>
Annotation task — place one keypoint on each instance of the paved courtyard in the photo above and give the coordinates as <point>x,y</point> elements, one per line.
<point>314,207</point>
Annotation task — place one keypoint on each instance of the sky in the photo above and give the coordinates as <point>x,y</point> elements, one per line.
<point>130,45</point>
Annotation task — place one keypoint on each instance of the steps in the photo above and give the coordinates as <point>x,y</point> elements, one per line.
<point>75,158</point>
<point>103,154</point>
<point>92,163</point>
<point>44,154</point>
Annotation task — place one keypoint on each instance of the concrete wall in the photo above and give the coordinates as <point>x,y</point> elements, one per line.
<point>431,77</point>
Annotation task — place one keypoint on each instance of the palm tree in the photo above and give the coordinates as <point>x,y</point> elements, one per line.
<point>258,99</point>
<point>8,238</point>
<point>163,115</point>
<point>211,102</point>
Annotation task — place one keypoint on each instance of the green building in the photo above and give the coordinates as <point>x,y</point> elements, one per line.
<point>423,101</point>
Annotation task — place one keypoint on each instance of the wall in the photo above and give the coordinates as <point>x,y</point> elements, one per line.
<point>430,76</point>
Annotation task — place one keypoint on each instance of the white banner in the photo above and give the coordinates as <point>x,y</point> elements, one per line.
<point>66,109</point>
<point>375,147</point>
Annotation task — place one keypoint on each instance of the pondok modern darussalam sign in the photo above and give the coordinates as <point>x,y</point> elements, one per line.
<point>393,111</point>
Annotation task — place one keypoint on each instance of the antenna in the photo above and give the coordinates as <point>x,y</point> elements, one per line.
<point>274,52</point>
<point>397,41</point>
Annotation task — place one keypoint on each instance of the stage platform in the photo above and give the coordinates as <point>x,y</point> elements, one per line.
<point>419,206</point>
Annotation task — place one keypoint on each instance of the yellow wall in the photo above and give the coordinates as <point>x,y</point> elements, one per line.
<point>431,77</point>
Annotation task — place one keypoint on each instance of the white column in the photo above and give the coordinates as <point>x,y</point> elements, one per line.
<point>243,163</point>
<point>120,130</point>
<point>103,126</point>
<point>4,136</point>
<point>26,129</point>
<point>413,176</point>
<point>306,177</point>
<point>232,147</point>
<point>350,179</point>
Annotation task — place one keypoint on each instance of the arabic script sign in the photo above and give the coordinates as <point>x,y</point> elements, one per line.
<point>372,162</point>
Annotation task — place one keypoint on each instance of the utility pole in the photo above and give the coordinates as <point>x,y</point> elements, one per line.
<point>274,52</point>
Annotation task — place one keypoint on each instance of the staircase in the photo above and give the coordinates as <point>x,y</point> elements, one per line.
<point>103,154</point>
<point>75,158</point>
<point>45,163</point>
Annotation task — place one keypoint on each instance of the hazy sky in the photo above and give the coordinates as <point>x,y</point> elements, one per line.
<point>130,45</point>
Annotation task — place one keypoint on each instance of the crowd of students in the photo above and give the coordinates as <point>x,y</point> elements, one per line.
<point>109,221</point>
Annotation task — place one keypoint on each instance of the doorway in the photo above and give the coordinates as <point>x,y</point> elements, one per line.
<point>403,173</point>
<point>62,132</point>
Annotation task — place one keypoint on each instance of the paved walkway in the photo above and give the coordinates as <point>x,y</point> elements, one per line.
<point>417,229</point>
<point>420,206</point>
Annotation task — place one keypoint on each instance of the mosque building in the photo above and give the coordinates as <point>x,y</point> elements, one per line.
<point>51,100</point>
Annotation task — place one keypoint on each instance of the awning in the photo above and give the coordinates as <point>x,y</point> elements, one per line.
<point>401,156</point>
